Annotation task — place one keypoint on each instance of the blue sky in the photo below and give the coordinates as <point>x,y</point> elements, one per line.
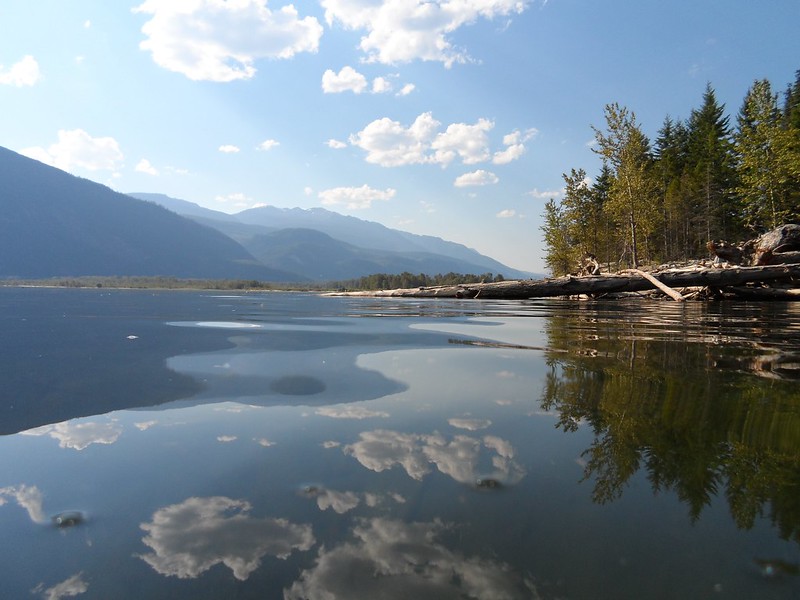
<point>453,118</point>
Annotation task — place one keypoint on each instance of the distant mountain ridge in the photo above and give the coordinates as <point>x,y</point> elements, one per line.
<point>387,250</point>
<point>53,224</point>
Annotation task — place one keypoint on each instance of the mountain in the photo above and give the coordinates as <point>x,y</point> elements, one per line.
<point>318,256</point>
<point>366,245</point>
<point>55,224</point>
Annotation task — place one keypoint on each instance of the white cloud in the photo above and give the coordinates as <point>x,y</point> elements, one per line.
<point>229,149</point>
<point>76,148</point>
<point>392,559</point>
<point>406,89</point>
<point>479,177</point>
<point>469,142</point>
<point>355,198</point>
<point>20,74</point>
<point>214,40</point>
<point>545,195</point>
<point>399,31</point>
<point>508,213</point>
<point>189,538</point>
<point>389,144</point>
<point>346,80</point>
<point>510,154</point>
<point>381,85</point>
<point>144,166</point>
<point>335,144</point>
<point>268,145</point>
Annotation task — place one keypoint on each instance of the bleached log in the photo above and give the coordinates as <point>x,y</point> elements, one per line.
<point>594,285</point>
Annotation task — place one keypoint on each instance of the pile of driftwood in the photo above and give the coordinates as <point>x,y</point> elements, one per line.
<point>764,268</point>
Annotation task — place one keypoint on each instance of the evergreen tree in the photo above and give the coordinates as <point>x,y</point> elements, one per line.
<point>561,255</point>
<point>712,164</point>
<point>767,164</point>
<point>671,152</point>
<point>608,232</point>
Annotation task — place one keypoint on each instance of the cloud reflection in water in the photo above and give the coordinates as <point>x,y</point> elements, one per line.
<point>189,538</point>
<point>382,449</point>
<point>392,559</point>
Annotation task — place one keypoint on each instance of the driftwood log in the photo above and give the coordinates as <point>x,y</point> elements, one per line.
<point>597,285</point>
<point>776,247</point>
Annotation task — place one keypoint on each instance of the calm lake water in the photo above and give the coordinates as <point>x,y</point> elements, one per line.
<point>276,445</point>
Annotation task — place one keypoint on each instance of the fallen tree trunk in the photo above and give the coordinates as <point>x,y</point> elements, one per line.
<point>594,285</point>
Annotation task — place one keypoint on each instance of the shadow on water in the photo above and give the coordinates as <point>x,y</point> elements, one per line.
<point>688,397</point>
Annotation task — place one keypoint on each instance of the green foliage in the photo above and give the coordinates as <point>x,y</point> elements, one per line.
<point>702,181</point>
<point>769,162</point>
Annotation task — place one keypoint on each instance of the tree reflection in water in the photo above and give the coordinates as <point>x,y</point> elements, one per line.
<point>684,408</point>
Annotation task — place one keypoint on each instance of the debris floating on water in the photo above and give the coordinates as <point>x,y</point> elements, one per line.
<point>69,518</point>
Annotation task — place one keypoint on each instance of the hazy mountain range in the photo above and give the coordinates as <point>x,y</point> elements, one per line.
<point>55,224</point>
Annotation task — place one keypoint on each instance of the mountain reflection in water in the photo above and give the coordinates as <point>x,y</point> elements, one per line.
<point>295,446</point>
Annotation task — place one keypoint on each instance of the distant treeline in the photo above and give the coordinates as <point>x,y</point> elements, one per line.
<point>384,281</point>
<point>701,180</point>
<point>136,282</point>
<point>378,281</point>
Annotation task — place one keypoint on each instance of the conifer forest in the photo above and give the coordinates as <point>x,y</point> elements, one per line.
<point>702,179</point>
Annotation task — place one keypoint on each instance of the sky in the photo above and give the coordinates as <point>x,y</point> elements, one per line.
<point>452,118</point>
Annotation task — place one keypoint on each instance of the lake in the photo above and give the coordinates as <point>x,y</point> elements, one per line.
<point>283,445</point>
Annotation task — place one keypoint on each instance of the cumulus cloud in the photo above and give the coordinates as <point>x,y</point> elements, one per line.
<point>381,85</point>
<point>77,149</point>
<point>400,31</point>
<point>391,559</point>
<point>355,198</point>
<point>389,144</point>
<point>268,145</point>
<point>20,74</point>
<point>479,177</point>
<point>463,458</point>
<point>189,538</point>
<point>144,166</point>
<point>346,80</point>
<point>79,435</point>
<point>229,149</point>
<point>469,142</point>
<point>214,40</point>
<point>507,213</point>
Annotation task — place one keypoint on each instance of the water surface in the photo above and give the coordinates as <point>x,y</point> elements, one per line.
<point>194,445</point>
